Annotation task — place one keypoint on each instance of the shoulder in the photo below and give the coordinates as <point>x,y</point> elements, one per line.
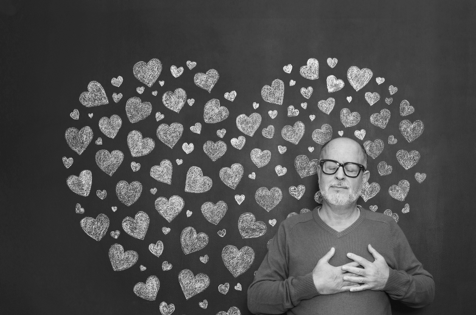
<point>292,221</point>
<point>378,218</point>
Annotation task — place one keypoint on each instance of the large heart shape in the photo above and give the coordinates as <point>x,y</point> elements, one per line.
<point>148,73</point>
<point>195,182</point>
<point>191,241</point>
<point>174,100</point>
<point>260,158</point>
<point>311,70</point>
<point>294,133</point>
<point>162,172</point>
<point>170,208</point>
<point>297,192</point>
<point>109,162</point>
<point>322,135</point>
<point>170,135</point>
<point>275,93</point>
<point>192,285</point>
<point>372,98</point>
<point>79,140</point>
<point>268,199</point>
<point>139,146</point>
<point>374,148</point>
<point>238,143</point>
<point>349,119</point>
<point>81,185</point>
<point>326,106</point>
<point>95,95</point>
<point>148,290</point>
<point>237,261</point>
<point>334,84</point>
<point>384,169</point>
<point>121,260</point>
<point>214,150</point>
<point>214,113</point>
<point>304,167</point>
<point>411,131</point>
<point>359,78</point>
<point>136,110</point>
<point>408,159</point>
<point>128,194</point>
<point>206,81</point>
<point>248,125</point>
<point>110,126</point>
<point>95,228</point>
<point>138,226</point>
<point>214,212</point>
<point>380,120</point>
<point>249,227</point>
<point>369,190</point>
<point>400,191</point>
<point>232,176</point>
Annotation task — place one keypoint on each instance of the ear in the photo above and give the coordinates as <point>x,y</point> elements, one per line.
<point>366,176</point>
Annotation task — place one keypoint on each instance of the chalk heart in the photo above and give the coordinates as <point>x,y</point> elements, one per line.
<point>230,96</point>
<point>109,162</point>
<point>159,116</point>
<point>170,135</point>
<point>203,304</point>
<point>213,213</point>
<point>249,227</point>
<point>128,193</point>
<point>372,98</point>
<point>311,70</point>
<point>238,143</point>
<point>165,230</point>
<point>136,227</point>
<point>191,241</point>
<point>223,288</point>
<point>237,261</point>
<point>373,208</point>
<point>174,100</point>
<point>176,72</point>
<point>188,148</point>
<point>121,260</point>
<point>197,128</point>
<point>292,112</point>
<point>369,190</point>
<point>117,81</point>
<point>288,68</point>
<point>392,89</point>
<point>360,134</point>
<point>78,209</point>
<point>74,114</point>
<point>221,133</point>
<point>304,167</point>
<point>95,228</point>
<point>221,233</point>
<point>139,146</point>
<point>326,106</point>
<point>260,158</point>
<point>275,93</point>
<point>322,135</point>
<point>169,208</point>
<point>239,199</point>
<point>207,80</point>
<point>411,131</point>
<point>392,139</point>
<point>78,140</point>
<point>192,285</point>
<point>408,159</point>
<point>268,199</point>
<point>406,109</point>
<point>307,92</point>
<point>294,133</point>
<point>191,64</point>
<point>166,266</point>
<point>102,194</point>
<point>148,290</point>
<point>110,126</point>
<point>359,78</point>
<point>273,114</point>
<point>384,169</point>
<point>140,89</point>
<point>204,259</point>
<point>255,105</point>
<point>115,234</point>
<point>166,309</point>
<point>292,83</point>
<point>214,113</point>
<point>334,84</point>
<point>95,96</point>
<point>157,248</point>
<point>136,110</point>
<point>349,119</point>
<point>147,73</point>
<point>297,192</point>
<point>374,148</point>
<point>195,182</point>
<point>380,119</point>
<point>214,150</point>
<point>268,132</point>
<point>162,172</point>
<point>231,176</point>
<point>282,149</point>
<point>420,177</point>
<point>389,100</point>
<point>231,311</point>
<point>406,208</point>
<point>392,215</point>
<point>135,166</point>
<point>117,97</point>
<point>400,191</point>
<point>81,184</point>
<point>332,62</point>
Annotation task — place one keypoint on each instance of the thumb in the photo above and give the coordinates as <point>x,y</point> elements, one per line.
<point>328,255</point>
<point>374,252</point>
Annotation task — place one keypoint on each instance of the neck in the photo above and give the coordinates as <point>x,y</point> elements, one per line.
<point>339,215</point>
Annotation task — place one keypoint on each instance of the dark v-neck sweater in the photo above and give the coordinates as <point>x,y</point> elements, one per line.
<point>283,282</point>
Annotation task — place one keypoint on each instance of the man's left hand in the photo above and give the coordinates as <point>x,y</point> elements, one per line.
<point>373,276</point>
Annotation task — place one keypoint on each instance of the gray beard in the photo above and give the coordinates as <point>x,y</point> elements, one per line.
<point>339,199</point>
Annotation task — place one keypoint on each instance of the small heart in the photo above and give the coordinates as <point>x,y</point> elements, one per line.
<point>154,93</point>
<point>153,191</point>
<point>252,175</point>
<point>392,140</point>
<point>420,177</point>
<point>166,266</point>
<point>349,99</point>
<point>332,62</point>
<point>221,133</point>
<point>389,100</point>
<point>179,161</point>
<point>292,112</point>
<point>373,208</point>
<point>116,97</point>
<point>390,214</point>
<point>282,149</point>
<point>292,83</point>
<point>379,80</point>
<point>191,101</point>
<point>304,105</point>
<point>79,209</point>
<point>221,233</point>
<point>255,105</point>
<point>114,208</point>
<point>135,166</point>
<point>176,72</point>
<point>102,194</point>
<point>159,116</point>
<point>90,115</point>
<point>165,230</point>
<point>311,149</point>
<point>360,134</point>
<point>74,114</point>
<point>142,268</point>
<point>140,89</point>
<point>312,117</point>
<point>280,170</point>
<point>238,287</point>
<point>392,89</point>
<point>67,161</point>
<point>223,288</point>
<point>406,208</point>
<point>203,304</point>
<point>115,234</point>
<point>272,222</point>
<point>307,92</point>
<point>340,132</point>
<point>117,81</point>
<point>230,96</point>
<point>204,259</point>
<point>273,114</point>
<point>188,147</point>
<point>191,64</point>
<point>239,198</point>
<point>288,68</point>
<point>98,141</point>
<point>161,83</point>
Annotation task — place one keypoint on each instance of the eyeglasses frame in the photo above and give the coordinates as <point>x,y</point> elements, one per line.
<point>361,167</point>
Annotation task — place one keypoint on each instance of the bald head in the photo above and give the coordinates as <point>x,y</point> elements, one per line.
<point>353,150</point>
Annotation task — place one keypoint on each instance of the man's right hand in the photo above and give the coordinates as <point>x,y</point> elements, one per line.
<point>329,279</point>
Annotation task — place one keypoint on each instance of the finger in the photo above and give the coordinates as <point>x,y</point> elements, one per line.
<point>354,270</point>
<point>348,284</point>
<point>351,264</point>
<point>374,252</point>
<point>359,288</point>
<point>355,279</point>
<point>329,255</point>
<point>362,261</point>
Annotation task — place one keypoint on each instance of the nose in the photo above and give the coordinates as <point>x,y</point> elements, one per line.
<point>340,173</point>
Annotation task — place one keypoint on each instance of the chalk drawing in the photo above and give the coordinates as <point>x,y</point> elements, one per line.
<point>288,68</point>
<point>110,126</point>
<point>117,82</point>
<point>305,167</point>
<point>163,172</point>
<point>214,150</point>
<point>380,119</point>
<point>406,109</point>
<point>109,162</point>
<point>170,135</point>
<point>67,162</point>
<point>136,110</point>
<point>349,119</point>
<point>135,166</point>
<point>268,132</point>
<point>191,64</point>
<point>280,170</point>
<point>411,131</point>
<point>136,227</point>
<point>292,112</point>
<point>360,134</point>
<point>147,73</point>
<point>326,106</point>
<point>249,227</point>
<point>169,208</point>
<point>248,125</point>
<point>237,261</point>
<point>176,72</point>
<point>195,181</point>
<point>188,147</point>
<point>307,92</point>
<point>148,290</point>
<point>139,146</point>
<point>400,191</point>
<point>156,249</point>
<point>294,133</point>
<point>230,96</point>
<point>102,194</point>
<point>369,190</point>
<point>275,93</point>
<point>128,193</point>
<point>297,192</point>
<point>392,215</point>
<point>175,100</point>
<point>408,159</point>
<point>332,62</point>
<point>117,97</point>
<point>166,309</point>
<point>372,98</point>
<point>384,169</point>
<point>231,176</point>
<point>321,136</point>
<point>192,285</point>
<point>74,114</point>
<point>420,177</point>
<point>121,260</point>
<point>78,140</point>
<point>268,199</point>
<point>231,311</point>
<point>95,228</point>
<point>223,288</point>
<point>95,96</point>
<point>359,78</point>
<point>392,89</point>
<point>191,241</point>
<point>214,113</point>
<point>207,80</point>
<point>334,84</point>
<point>81,184</point>
<point>374,148</point>
<point>260,158</point>
<point>311,70</point>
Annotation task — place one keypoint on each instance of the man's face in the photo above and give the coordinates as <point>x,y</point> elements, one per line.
<point>339,189</point>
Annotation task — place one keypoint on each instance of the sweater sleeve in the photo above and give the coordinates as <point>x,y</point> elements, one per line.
<point>408,282</point>
<point>273,291</point>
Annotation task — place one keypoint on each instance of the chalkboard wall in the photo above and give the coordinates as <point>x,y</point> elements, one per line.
<point>183,134</point>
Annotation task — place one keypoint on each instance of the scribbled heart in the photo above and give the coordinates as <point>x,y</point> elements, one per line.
<point>166,266</point>
<point>162,172</point>
<point>78,209</point>
<point>231,311</point>
<point>157,248</point>
<point>420,177</point>
<point>239,199</point>
<point>334,84</point>
<point>117,82</point>
<point>169,208</point>
<point>392,140</point>
<point>191,241</point>
<point>268,199</point>
<point>292,112</point>
<point>148,290</point>
<point>192,285</point>
<point>221,233</point>
<point>81,185</point>
<point>369,190</point>
<point>102,194</point>
<point>140,89</point>
<point>360,134</point>
<point>373,208</point>
<point>116,97</point>
<point>384,169</point>
<point>359,78</point>
<point>110,126</point>
<point>322,135</point>
<point>203,304</point>
<point>372,98</point>
<point>273,114</point>
<point>380,119</point>
<point>332,62</point>
<point>411,131</point>
<point>136,227</point>
<point>294,133</point>
<point>78,140</point>
<point>307,92</point>
<point>374,148</point>
<point>115,234</point>
<point>174,100</point>
<point>408,159</point>
<point>406,109</point>
<point>74,114</point>
<point>231,176</point>
<point>67,162</point>
<point>170,135</point>
<point>195,181</point>
<point>292,83</point>
<point>237,261</point>
<point>392,89</point>
<point>121,260</point>
<point>260,158</point>
<point>214,113</point>
<point>280,170</point>
<point>109,162</point>
<point>275,93</point>
<point>95,96</point>
<point>95,228</point>
<point>297,192</point>
<point>136,110</point>
<point>406,208</point>
<point>238,143</point>
<point>221,133</point>
<point>349,119</point>
<point>135,166</point>
<point>389,100</point>
<point>288,68</point>
<point>326,106</point>
<point>223,288</point>
<point>400,191</point>
<point>128,193</point>
<point>191,101</point>
<point>139,146</point>
<point>392,215</point>
<point>188,148</point>
<point>147,73</point>
<point>159,116</point>
<point>268,132</point>
<point>230,96</point>
<point>311,70</point>
<point>282,149</point>
<point>379,80</point>
<point>197,128</point>
<point>176,72</point>
<point>207,80</point>
<point>165,230</point>
<point>214,150</point>
<point>304,167</point>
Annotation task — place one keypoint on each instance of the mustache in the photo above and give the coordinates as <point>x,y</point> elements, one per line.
<point>338,184</point>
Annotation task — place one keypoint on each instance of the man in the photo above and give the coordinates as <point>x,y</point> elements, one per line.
<point>339,258</point>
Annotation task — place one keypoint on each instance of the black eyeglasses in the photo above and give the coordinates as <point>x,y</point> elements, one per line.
<point>351,169</point>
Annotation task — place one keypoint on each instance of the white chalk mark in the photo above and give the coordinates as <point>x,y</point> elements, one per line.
<point>95,228</point>
<point>95,96</point>
<point>147,73</point>
<point>169,208</point>
<point>81,185</point>
<point>249,227</point>
<point>78,140</point>
<point>237,261</point>
<point>268,199</point>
